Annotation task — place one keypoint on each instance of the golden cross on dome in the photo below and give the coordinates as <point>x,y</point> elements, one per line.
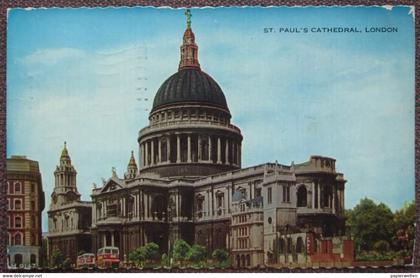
<point>189,15</point>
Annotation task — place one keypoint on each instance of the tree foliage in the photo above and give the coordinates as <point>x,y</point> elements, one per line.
<point>180,250</point>
<point>197,253</point>
<point>148,252</point>
<point>57,258</point>
<point>220,255</point>
<point>368,223</point>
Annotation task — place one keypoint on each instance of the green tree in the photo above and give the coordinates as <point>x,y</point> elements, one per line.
<point>381,246</point>
<point>151,251</point>
<point>180,250</point>
<point>197,253</point>
<point>57,258</point>
<point>137,256</point>
<point>221,256</point>
<point>368,223</point>
<point>66,264</point>
<point>404,220</point>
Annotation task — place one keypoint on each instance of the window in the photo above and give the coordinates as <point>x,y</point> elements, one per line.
<point>18,187</point>
<point>33,187</point>
<point>257,192</point>
<point>281,246</point>
<point>200,202</point>
<point>18,239</point>
<point>302,196</point>
<point>18,204</point>
<point>270,197</point>
<point>220,198</point>
<point>289,245</point>
<point>18,222</point>
<point>286,193</point>
<point>299,245</point>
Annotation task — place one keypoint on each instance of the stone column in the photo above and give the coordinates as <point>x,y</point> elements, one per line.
<point>239,155</point>
<point>178,149</point>
<point>112,239</point>
<point>219,150</point>
<point>152,152</point>
<point>146,146</point>
<point>168,149</point>
<point>333,199</point>
<point>210,148</point>
<point>159,160</point>
<point>141,155</point>
<point>319,195</point>
<point>199,155</point>
<point>176,206</point>
<point>189,149</point>
<point>227,151</point>
<point>313,195</point>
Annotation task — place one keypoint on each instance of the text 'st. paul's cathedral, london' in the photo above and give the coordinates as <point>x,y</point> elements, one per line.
<point>190,185</point>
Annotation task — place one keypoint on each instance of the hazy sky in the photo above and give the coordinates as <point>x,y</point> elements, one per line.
<point>82,76</point>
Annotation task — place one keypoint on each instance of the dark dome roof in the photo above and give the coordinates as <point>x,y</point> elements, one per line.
<point>190,85</point>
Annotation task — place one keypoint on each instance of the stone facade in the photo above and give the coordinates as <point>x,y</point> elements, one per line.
<point>69,218</point>
<point>25,202</point>
<point>190,184</point>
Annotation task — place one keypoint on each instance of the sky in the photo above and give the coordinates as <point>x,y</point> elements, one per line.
<point>88,77</point>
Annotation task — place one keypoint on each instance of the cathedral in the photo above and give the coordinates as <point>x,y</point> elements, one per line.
<point>189,184</point>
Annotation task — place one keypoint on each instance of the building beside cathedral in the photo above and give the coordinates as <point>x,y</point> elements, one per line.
<point>69,218</point>
<point>190,185</point>
<point>25,203</point>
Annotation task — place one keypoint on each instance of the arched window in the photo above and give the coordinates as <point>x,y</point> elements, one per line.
<point>248,260</point>
<point>18,187</point>
<point>18,259</point>
<point>281,246</point>
<point>301,196</point>
<point>18,239</point>
<point>289,245</point>
<point>299,245</point>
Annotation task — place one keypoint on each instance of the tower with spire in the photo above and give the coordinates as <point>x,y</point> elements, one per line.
<point>65,174</point>
<point>69,217</point>
<point>189,49</point>
<point>131,168</point>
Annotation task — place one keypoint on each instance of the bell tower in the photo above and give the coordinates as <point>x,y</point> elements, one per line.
<point>65,174</point>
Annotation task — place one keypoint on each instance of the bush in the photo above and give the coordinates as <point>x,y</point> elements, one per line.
<point>221,257</point>
<point>180,250</point>
<point>381,246</point>
<point>57,258</point>
<point>197,253</point>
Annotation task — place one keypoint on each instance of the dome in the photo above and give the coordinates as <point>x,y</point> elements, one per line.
<point>190,85</point>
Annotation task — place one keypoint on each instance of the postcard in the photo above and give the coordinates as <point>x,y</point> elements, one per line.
<point>211,139</point>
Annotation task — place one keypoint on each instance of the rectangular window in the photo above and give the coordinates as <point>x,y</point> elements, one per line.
<point>288,193</point>
<point>284,193</point>
<point>269,197</point>
<point>18,222</point>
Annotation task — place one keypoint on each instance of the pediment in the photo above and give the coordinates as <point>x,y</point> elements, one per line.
<point>111,185</point>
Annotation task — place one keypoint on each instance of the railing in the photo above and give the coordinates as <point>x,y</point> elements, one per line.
<point>305,210</point>
<point>193,123</point>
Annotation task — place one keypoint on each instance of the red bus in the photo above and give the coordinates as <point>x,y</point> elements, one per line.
<point>108,257</point>
<point>86,260</point>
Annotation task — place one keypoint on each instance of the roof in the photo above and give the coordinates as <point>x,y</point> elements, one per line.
<point>190,85</point>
